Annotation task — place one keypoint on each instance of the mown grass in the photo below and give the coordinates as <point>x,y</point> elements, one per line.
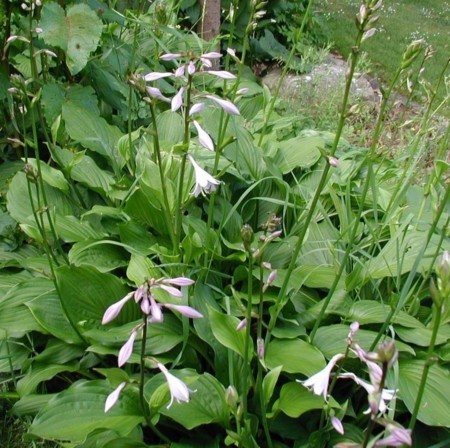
<point>400,22</point>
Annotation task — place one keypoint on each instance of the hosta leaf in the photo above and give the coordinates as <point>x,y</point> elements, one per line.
<point>93,132</point>
<point>298,152</point>
<point>73,414</point>
<point>332,340</point>
<point>104,255</point>
<point>269,383</point>
<point>422,336</point>
<point>224,328</point>
<point>434,407</point>
<point>86,293</point>
<point>48,312</point>
<point>15,317</point>
<point>370,312</point>
<point>40,372</point>
<point>295,400</point>
<point>77,33</point>
<point>12,353</point>
<point>206,405</point>
<point>294,355</point>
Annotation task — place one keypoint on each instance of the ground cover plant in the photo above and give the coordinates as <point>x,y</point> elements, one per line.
<point>183,266</point>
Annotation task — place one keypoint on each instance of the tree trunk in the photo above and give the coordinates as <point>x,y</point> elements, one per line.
<point>209,26</point>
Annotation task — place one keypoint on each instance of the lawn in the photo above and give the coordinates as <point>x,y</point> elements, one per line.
<point>400,22</point>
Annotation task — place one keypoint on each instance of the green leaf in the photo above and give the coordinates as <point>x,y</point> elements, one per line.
<point>38,373</point>
<point>78,33</point>
<point>15,317</point>
<point>140,269</point>
<point>31,404</point>
<point>93,132</point>
<point>434,407</point>
<point>295,400</point>
<point>86,293</point>
<point>269,383</point>
<point>71,229</point>
<point>206,405</point>
<point>103,255</point>
<point>20,208</point>
<point>294,355</point>
<point>12,353</point>
<point>298,152</point>
<point>48,312</point>
<point>71,415</point>
<point>370,312</point>
<point>224,329</point>
<point>332,340</point>
<point>422,336</point>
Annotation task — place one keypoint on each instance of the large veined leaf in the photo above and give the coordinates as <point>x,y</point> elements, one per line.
<point>332,340</point>
<point>93,132</point>
<point>224,329</point>
<point>295,400</point>
<point>12,353</point>
<point>370,311</point>
<point>40,372</point>
<point>86,293</point>
<point>15,317</point>
<point>73,414</point>
<point>77,32</point>
<point>298,152</point>
<point>400,254</point>
<point>295,356</point>
<point>434,407</point>
<point>103,255</point>
<point>48,312</point>
<point>20,208</point>
<point>206,405</point>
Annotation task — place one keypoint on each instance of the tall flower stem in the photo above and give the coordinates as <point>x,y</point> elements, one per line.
<point>428,363</point>
<point>157,149</point>
<point>186,139</point>
<point>248,317</point>
<point>259,385</point>
<point>143,403</point>
<point>281,299</point>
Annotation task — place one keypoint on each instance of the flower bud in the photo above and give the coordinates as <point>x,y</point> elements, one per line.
<point>231,397</point>
<point>387,352</point>
<point>247,236</point>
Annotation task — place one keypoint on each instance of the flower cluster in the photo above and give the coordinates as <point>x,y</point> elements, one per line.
<point>193,65</point>
<point>152,311</point>
<point>378,396</point>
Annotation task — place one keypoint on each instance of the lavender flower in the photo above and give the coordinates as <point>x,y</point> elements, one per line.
<point>226,105</point>
<point>204,139</point>
<point>178,390</point>
<point>204,182</point>
<point>112,398</point>
<point>318,383</point>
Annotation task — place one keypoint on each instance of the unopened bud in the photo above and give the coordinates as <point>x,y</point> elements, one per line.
<point>247,236</point>
<point>231,397</point>
<point>260,349</point>
<point>387,352</point>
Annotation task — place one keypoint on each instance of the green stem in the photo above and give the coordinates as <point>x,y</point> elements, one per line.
<point>282,296</point>
<point>248,317</point>
<point>355,226</point>
<point>186,140</point>
<point>144,405</point>
<point>157,151</point>
<point>428,363</point>
<point>259,385</point>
